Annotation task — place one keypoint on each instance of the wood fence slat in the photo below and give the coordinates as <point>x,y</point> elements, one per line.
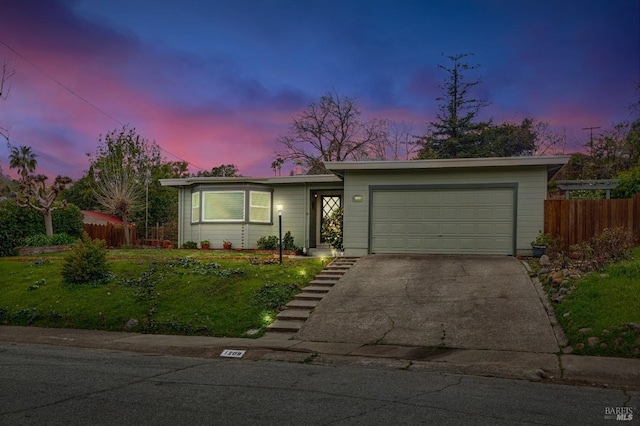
<point>112,234</point>
<point>575,221</point>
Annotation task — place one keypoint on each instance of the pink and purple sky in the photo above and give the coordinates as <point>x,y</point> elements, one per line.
<point>216,82</point>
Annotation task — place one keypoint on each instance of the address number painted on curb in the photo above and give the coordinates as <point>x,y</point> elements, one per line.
<point>233,353</point>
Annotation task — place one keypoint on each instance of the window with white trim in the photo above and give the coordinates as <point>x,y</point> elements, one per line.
<point>232,205</point>
<point>195,207</point>
<point>223,206</point>
<point>259,206</point>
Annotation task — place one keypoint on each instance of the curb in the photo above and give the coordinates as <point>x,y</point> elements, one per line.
<point>621,373</point>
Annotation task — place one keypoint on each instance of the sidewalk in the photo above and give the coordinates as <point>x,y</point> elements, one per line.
<point>570,369</point>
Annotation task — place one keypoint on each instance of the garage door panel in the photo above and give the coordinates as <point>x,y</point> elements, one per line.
<point>443,221</point>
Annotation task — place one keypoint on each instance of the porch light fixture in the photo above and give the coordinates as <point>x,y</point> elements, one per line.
<point>357,198</point>
<point>279,207</point>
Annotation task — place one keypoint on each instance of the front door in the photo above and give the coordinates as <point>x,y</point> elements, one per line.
<point>328,203</point>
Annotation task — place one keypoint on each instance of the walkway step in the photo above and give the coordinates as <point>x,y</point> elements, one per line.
<point>294,314</point>
<point>325,283</point>
<point>308,296</point>
<point>302,304</point>
<point>316,289</point>
<point>336,274</point>
<point>285,326</point>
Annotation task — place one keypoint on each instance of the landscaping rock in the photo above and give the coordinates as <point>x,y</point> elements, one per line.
<point>556,282</point>
<point>567,349</point>
<point>557,274</point>
<point>580,346</point>
<point>543,271</point>
<point>544,260</point>
<point>618,342</point>
<point>585,330</point>
<point>131,323</point>
<point>592,341</point>
<point>634,326</point>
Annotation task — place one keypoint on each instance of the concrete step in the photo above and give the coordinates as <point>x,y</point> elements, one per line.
<point>337,268</point>
<point>336,274</point>
<point>285,326</point>
<point>308,296</point>
<point>324,283</point>
<point>316,289</point>
<point>302,304</point>
<point>294,314</point>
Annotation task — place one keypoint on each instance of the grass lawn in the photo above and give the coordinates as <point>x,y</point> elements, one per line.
<point>192,292</point>
<point>602,306</point>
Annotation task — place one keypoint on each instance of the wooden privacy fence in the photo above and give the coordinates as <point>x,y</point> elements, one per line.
<point>575,221</point>
<point>112,234</point>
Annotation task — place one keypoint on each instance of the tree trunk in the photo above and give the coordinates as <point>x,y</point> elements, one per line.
<point>48,223</point>
<point>125,224</point>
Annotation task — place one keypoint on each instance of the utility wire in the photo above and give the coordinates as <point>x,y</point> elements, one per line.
<point>101,111</point>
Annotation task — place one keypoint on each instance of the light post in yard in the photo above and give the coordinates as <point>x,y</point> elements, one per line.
<point>279,207</point>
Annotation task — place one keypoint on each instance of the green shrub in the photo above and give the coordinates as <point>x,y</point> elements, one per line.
<point>68,220</point>
<point>288,242</point>
<point>16,223</point>
<point>39,240</point>
<point>191,245</point>
<point>268,243</point>
<point>36,240</point>
<point>86,262</point>
<point>62,239</point>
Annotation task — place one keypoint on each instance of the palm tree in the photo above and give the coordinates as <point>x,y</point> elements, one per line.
<point>23,159</point>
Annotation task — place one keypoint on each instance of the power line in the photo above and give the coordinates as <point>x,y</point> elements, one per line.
<point>591,129</point>
<point>101,111</point>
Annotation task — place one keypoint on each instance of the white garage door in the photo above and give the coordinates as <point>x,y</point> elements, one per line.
<point>457,221</point>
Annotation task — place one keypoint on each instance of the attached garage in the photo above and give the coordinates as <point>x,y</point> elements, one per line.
<point>449,219</point>
<point>490,206</point>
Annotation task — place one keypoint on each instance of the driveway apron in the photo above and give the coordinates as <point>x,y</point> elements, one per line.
<point>469,302</point>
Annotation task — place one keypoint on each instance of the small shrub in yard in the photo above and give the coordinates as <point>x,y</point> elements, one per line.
<point>86,262</point>
<point>268,243</point>
<point>190,245</point>
<point>272,242</point>
<point>613,245</point>
<point>39,240</point>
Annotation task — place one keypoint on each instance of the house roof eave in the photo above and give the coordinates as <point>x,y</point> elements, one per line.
<point>274,180</point>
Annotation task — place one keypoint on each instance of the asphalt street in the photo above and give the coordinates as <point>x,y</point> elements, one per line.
<point>54,385</point>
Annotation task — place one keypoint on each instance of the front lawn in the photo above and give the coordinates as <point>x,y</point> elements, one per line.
<point>600,312</point>
<point>212,293</point>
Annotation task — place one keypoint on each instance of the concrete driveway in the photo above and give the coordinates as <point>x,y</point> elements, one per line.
<point>470,302</point>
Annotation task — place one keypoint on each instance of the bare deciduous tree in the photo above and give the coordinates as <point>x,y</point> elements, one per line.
<point>396,142</point>
<point>330,130</point>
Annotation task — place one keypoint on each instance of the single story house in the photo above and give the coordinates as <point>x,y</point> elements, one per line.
<point>452,206</point>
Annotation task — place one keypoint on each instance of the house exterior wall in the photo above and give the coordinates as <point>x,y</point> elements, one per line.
<point>295,199</point>
<point>531,192</point>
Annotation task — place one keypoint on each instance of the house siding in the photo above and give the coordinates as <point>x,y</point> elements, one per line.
<point>295,199</point>
<point>531,192</point>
